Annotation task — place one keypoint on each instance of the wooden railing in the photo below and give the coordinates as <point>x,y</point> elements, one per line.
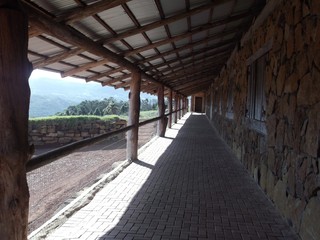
<point>50,156</point>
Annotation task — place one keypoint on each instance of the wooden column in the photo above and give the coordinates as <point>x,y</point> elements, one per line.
<point>161,110</point>
<point>183,106</point>
<point>176,100</point>
<point>186,100</point>
<point>179,107</point>
<point>134,112</point>
<point>170,109</point>
<point>15,70</point>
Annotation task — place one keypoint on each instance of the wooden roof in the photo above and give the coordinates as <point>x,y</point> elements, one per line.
<point>182,44</point>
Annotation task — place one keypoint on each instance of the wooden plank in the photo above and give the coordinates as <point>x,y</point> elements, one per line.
<point>134,112</point>
<point>15,70</point>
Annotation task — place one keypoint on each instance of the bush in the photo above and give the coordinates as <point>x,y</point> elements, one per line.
<point>70,121</point>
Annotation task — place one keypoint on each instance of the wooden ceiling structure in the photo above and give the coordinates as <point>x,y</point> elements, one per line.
<point>182,44</point>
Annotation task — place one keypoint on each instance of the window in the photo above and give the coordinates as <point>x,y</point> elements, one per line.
<point>256,100</point>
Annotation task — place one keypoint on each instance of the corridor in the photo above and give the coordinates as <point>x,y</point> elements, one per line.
<point>187,185</point>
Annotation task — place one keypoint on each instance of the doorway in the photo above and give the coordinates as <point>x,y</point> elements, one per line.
<point>198,105</point>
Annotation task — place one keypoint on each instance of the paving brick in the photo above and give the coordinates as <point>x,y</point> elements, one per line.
<point>186,186</point>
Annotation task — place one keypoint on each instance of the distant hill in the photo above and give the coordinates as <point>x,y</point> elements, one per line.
<point>51,94</point>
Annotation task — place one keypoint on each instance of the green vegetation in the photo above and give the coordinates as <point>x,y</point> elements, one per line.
<point>71,121</point>
<point>148,114</point>
<point>108,106</point>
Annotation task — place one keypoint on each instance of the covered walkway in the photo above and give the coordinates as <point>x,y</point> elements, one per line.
<point>187,185</point>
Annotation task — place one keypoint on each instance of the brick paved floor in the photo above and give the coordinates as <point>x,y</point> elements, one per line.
<point>185,186</point>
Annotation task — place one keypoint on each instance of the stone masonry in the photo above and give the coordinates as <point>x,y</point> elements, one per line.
<point>57,132</point>
<point>284,158</point>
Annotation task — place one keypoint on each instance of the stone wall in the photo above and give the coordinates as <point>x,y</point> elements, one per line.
<point>282,153</point>
<point>58,132</point>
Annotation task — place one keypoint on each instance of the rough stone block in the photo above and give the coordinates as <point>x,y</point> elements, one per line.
<point>279,196</point>
<point>310,221</point>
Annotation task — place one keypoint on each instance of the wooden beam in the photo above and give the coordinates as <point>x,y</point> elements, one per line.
<point>134,112</point>
<point>197,75</point>
<point>106,74</point>
<point>199,29</point>
<point>175,117</point>
<point>57,58</point>
<point>161,110</point>
<point>79,13</point>
<point>197,88</point>
<point>114,80</point>
<point>122,85</point>
<point>15,70</point>
<point>170,108</point>
<point>189,70</point>
<point>210,53</point>
<point>163,22</point>
<point>191,45</point>
<point>195,82</point>
<point>84,67</point>
<point>64,33</point>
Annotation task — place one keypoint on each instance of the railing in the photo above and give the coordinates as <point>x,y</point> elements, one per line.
<point>50,156</point>
<point>55,177</point>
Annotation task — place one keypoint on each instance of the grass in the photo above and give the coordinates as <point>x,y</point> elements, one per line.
<point>144,115</point>
<point>71,121</point>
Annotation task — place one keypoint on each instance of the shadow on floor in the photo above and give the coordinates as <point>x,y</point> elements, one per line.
<point>198,190</point>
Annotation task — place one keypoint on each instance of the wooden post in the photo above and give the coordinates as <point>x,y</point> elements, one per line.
<point>161,110</point>
<point>186,101</point>
<point>15,70</point>
<point>179,107</point>
<point>134,112</point>
<point>170,109</point>
<point>176,100</point>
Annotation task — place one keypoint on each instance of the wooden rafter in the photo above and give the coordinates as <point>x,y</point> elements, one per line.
<point>189,34</point>
<point>114,80</point>
<point>164,21</point>
<point>188,46</point>
<point>89,10</point>
<point>106,74</point>
<point>84,67</point>
<point>71,36</point>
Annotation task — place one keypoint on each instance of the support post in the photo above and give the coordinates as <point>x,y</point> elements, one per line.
<point>176,100</point>
<point>15,70</point>
<point>179,107</point>
<point>134,112</point>
<point>170,109</point>
<point>186,100</point>
<point>161,110</point>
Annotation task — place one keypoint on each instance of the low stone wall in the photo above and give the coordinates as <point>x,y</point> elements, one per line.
<point>41,133</point>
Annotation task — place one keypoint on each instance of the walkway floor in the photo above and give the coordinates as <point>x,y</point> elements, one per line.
<point>187,185</point>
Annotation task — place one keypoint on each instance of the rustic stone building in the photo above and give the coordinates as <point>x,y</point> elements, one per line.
<point>265,103</point>
<point>253,67</point>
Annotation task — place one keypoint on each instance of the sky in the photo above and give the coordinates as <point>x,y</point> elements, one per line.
<point>37,73</point>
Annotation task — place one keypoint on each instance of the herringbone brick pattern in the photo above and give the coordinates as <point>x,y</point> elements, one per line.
<point>185,186</point>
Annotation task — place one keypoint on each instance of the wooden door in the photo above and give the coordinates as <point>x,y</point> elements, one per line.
<point>198,104</point>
